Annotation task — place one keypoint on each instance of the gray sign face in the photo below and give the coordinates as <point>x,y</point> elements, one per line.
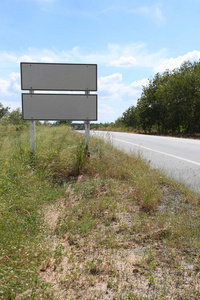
<point>59,107</point>
<point>62,77</point>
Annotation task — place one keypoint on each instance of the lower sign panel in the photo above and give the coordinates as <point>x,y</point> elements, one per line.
<point>59,107</point>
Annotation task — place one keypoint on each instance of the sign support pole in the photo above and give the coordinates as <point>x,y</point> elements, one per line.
<point>32,132</point>
<point>87,131</point>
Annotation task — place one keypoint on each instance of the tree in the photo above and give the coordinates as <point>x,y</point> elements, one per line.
<point>3,110</point>
<point>63,122</point>
<point>129,117</point>
<point>170,102</point>
<point>15,117</point>
<point>119,122</point>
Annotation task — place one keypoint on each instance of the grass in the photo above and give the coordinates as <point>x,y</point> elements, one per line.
<point>104,227</point>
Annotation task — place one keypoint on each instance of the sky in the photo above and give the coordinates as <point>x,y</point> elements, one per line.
<point>129,40</point>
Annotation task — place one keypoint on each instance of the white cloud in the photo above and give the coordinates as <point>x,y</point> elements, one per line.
<point>125,62</point>
<point>137,55</point>
<point>113,84</point>
<point>156,61</point>
<point>14,76</point>
<point>106,109</point>
<point>136,87</point>
<point>15,82</point>
<point>47,59</point>
<point>139,83</point>
<point>7,59</point>
<point>25,58</point>
<point>16,87</point>
<point>4,86</point>
<point>115,96</point>
<point>174,63</point>
<point>115,55</point>
<point>10,86</point>
<point>109,80</point>
<point>112,89</point>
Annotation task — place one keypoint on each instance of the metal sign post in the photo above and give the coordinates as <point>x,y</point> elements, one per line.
<point>32,136</point>
<point>87,134</point>
<point>87,130</point>
<point>32,132</point>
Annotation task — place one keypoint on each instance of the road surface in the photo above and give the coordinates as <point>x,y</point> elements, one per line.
<point>178,158</point>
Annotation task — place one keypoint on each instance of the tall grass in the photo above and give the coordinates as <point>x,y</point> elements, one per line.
<point>95,195</point>
<point>28,183</point>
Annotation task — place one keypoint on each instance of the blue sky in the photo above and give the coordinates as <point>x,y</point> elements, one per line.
<point>129,41</point>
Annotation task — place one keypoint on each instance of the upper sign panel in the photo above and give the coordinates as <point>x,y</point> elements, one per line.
<point>58,77</point>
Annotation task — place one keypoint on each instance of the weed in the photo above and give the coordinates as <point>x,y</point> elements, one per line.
<point>79,158</point>
<point>58,255</point>
<point>130,296</point>
<point>94,266</point>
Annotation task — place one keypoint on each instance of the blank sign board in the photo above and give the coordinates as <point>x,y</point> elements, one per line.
<point>59,107</point>
<point>54,77</point>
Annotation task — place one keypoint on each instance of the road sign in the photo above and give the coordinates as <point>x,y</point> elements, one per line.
<point>58,77</point>
<point>55,76</point>
<point>77,107</point>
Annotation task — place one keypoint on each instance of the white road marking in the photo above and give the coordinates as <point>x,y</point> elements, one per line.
<point>171,155</point>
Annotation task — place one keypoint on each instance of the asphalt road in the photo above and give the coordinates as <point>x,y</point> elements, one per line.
<point>177,158</point>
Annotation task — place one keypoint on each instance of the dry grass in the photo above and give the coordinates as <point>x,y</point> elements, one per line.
<point>110,248</point>
<point>107,227</point>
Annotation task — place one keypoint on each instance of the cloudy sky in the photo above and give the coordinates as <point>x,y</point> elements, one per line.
<point>129,40</point>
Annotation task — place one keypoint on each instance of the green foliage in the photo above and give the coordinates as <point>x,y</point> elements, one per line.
<point>12,118</point>
<point>170,103</point>
<point>119,122</point>
<point>3,110</point>
<point>15,117</point>
<point>101,126</point>
<point>129,117</point>
<point>26,185</point>
<point>80,157</point>
<point>21,194</point>
<point>63,123</point>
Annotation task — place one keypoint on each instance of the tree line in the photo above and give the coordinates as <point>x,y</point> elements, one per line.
<point>170,103</point>
<point>13,117</point>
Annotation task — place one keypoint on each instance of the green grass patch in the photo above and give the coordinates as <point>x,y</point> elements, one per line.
<point>96,226</point>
